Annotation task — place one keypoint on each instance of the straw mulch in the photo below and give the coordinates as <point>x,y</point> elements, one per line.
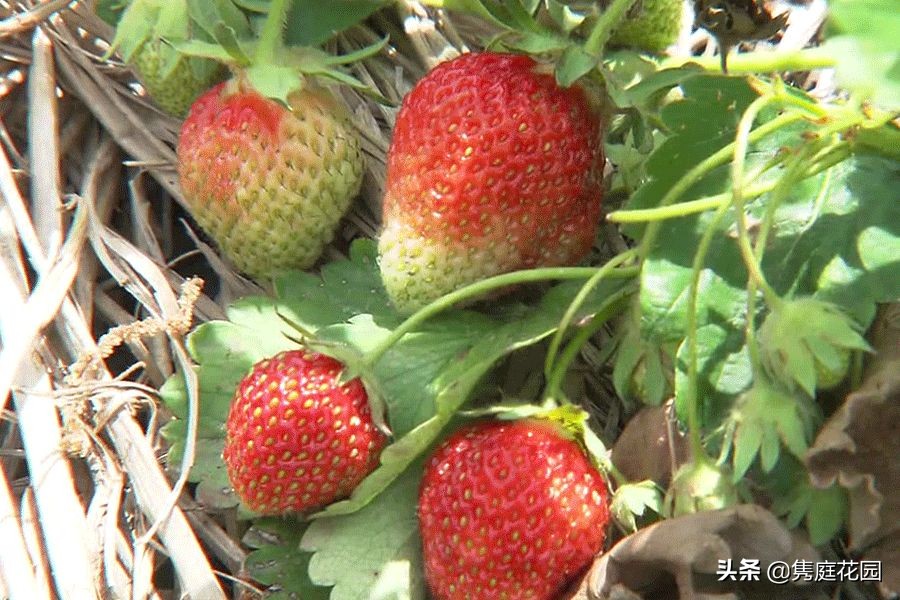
<point>98,274</point>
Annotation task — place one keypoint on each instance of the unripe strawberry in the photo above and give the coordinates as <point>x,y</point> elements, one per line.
<point>651,25</point>
<point>269,183</point>
<point>509,510</point>
<point>145,36</point>
<point>174,87</point>
<point>492,168</point>
<point>296,440</point>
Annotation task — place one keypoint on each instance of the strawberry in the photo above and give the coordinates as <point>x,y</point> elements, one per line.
<point>651,25</point>
<point>269,182</point>
<point>172,80</point>
<point>492,168</point>
<point>296,440</point>
<point>509,510</point>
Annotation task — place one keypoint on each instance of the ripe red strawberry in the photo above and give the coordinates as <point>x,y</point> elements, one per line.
<point>509,510</point>
<point>296,440</point>
<point>493,167</point>
<point>269,183</point>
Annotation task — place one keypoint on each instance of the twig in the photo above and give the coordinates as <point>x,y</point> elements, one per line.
<point>26,20</point>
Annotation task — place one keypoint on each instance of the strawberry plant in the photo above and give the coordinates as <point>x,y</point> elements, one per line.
<point>757,230</point>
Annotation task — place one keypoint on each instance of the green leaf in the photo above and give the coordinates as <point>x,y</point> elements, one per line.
<point>765,417</point>
<point>805,340</point>
<point>823,511</point>
<point>633,500</point>
<point>827,513</point>
<point>374,553</point>
<point>837,238</point>
<point>311,22</point>
<point>563,15</point>
<point>111,10</point>
<point>480,9</point>
<point>210,15</point>
<point>573,64</point>
<point>536,43</point>
<point>274,81</point>
<point>278,562</point>
<point>865,44</point>
<point>209,50</point>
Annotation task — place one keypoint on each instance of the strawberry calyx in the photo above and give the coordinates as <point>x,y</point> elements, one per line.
<point>272,69</point>
<point>567,420</point>
<point>572,37</point>
<point>355,367</point>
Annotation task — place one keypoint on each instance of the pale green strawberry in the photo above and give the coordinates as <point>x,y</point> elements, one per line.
<point>269,183</point>
<point>651,25</point>
<point>174,87</point>
<point>144,38</point>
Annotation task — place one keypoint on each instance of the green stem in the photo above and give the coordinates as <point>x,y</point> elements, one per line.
<point>742,144</point>
<point>611,307</point>
<point>717,159</point>
<point>605,25</point>
<point>684,209</point>
<point>814,166</point>
<point>578,301</point>
<point>761,62</point>
<point>794,172</point>
<point>270,38</point>
<point>482,287</point>
<point>693,402</point>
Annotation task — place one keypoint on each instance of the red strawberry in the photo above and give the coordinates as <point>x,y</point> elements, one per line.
<point>295,439</point>
<point>269,183</point>
<point>509,510</point>
<point>493,167</point>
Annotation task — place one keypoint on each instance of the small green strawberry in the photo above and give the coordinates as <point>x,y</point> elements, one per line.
<point>296,439</point>
<point>651,25</point>
<point>269,182</point>
<point>143,37</point>
<point>509,510</point>
<point>808,342</point>
<point>492,168</point>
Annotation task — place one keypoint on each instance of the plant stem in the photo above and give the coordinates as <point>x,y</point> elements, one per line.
<point>693,402</point>
<point>605,25</point>
<point>717,159</point>
<point>610,308</point>
<point>482,287</point>
<point>270,38</point>
<point>761,62</point>
<point>741,146</point>
<point>578,301</point>
<point>684,209</point>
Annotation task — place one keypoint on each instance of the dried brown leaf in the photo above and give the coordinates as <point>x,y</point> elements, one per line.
<point>858,447</point>
<point>650,446</point>
<point>678,558</point>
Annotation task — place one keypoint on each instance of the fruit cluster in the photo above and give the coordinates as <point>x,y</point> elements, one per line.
<point>506,509</point>
<point>493,167</point>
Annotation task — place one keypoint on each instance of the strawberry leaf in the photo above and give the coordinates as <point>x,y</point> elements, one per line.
<point>764,418</point>
<point>836,238</point>
<point>276,561</point>
<point>311,22</point>
<point>374,553</point>
<point>634,500</point>
<point>865,45</point>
